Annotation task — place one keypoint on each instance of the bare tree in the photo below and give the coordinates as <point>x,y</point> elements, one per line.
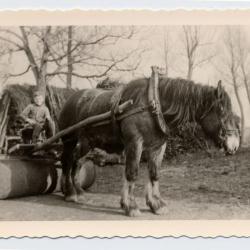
<point>234,67</point>
<point>93,52</point>
<point>69,58</point>
<point>21,42</point>
<point>244,58</point>
<point>67,52</point>
<point>166,46</point>
<point>193,41</point>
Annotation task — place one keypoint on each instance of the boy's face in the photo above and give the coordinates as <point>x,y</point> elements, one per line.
<point>38,99</point>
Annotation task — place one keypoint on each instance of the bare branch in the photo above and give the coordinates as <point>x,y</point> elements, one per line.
<point>204,60</point>
<point>20,74</point>
<point>12,33</point>
<point>20,47</point>
<point>192,44</point>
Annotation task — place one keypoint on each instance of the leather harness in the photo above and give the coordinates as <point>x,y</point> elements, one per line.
<point>154,105</point>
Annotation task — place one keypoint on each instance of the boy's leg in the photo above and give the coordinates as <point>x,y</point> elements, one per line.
<point>26,135</point>
<point>50,128</point>
<point>50,131</point>
<point>37,129</point>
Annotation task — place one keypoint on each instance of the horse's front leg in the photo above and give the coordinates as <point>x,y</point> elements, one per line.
<point>153,197</point>
<point>67,185</point>
<point>133,151</point>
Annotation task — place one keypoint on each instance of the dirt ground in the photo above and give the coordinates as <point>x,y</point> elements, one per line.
<point>195,186</point>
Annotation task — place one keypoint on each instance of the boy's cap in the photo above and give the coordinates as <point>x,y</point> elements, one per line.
<point>37,93</point>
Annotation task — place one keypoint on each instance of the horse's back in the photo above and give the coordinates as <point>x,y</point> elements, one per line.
<point>82,104</point>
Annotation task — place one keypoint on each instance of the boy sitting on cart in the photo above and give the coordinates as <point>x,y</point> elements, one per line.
<point>38,118</point>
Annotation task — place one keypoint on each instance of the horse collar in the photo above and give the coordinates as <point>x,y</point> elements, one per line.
<point>154,100</point>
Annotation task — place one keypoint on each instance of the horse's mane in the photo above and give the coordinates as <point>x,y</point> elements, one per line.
<point>183,100</point>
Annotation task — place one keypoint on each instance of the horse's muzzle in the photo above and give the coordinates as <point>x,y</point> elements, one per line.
<point>231,152</point>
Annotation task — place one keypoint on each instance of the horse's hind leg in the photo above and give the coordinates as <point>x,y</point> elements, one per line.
<point>153,197</point>
<point>133,151</point>
<point>81,150</point>
<point>66,181</point>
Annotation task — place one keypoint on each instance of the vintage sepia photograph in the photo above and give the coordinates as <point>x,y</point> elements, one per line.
<point>110,122</point>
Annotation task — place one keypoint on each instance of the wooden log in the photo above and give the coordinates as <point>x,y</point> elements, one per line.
<point>27,148</point>
<point>5,104</point>
<point>5,100</point>
<point>3,136</point>
<point>85,122</point>
<point>20,177</point>
<point>26,177</point>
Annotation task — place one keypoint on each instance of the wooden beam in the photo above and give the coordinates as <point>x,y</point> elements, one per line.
<point>88,121</point>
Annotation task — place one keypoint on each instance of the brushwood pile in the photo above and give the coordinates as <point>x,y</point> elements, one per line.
<point>16,97</point>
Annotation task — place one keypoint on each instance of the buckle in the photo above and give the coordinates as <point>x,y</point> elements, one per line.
<point>154,107</point>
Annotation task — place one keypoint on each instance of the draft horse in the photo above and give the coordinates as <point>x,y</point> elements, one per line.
<point>181,101</point>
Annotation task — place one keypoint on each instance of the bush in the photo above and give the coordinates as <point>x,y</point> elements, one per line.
<point>188,138</point>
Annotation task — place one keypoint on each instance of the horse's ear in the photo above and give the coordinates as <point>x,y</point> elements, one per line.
<point>219,90</point>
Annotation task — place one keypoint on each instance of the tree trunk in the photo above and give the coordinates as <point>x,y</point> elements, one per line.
<point>41,81</point>
<point>69,58</point>
<point>241,113</point>
<point>190,70</point>
<point>247,89</point>
<point>166,52</point>
<point>39,71</point>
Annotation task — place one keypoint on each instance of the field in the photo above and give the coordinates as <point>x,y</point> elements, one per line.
<point>196,186</point>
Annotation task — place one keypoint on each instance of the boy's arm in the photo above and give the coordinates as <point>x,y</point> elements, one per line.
<point>25,114</point>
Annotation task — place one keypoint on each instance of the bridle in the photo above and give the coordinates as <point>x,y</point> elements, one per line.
<point>223,132</point>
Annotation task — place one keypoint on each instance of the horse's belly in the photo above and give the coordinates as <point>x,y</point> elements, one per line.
<point>104,137</point>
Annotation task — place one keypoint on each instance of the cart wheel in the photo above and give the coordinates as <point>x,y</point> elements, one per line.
<point>87,174</point>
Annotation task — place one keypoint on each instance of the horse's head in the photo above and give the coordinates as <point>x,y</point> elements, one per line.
<point>219,122</point>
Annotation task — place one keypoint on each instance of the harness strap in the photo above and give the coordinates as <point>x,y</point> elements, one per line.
<point>133,111</point>
<point>124,115</point>
<point>154,104</point>
<point>114,101</point>
<point>154,100</point>
<point>93,101</point>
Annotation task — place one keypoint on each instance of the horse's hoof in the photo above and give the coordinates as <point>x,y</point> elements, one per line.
<point>134,212</point>
<point>161,211</point>
<point>157,206</point>
<point>81,198</point>
<point>131,209</point>
<point>71,198</point>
